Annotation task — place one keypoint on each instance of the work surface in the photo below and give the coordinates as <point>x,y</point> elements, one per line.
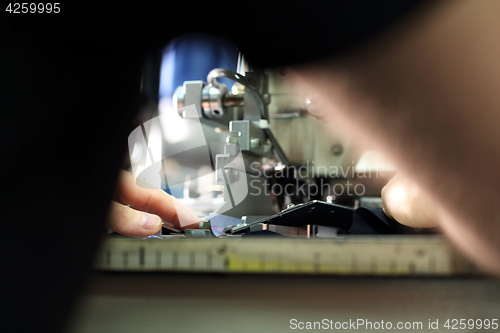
<point>163,302</point>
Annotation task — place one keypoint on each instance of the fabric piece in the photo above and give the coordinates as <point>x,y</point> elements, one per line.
<point>369,221</point>
<point>218,222</point>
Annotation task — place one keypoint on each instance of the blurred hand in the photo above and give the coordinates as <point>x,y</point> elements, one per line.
<point>146,198</point>
<point>404,201</point>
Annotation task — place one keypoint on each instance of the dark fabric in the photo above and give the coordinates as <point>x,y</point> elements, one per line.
<point>262,233</point>
<point>69,87</point>
<point>368,221</point>
<point>218,222</point>
<point>365,221</point>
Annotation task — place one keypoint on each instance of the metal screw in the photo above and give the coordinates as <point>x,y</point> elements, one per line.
<point>254,143</point>
<point>337,150</point>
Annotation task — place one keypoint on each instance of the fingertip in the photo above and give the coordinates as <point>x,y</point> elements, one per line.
<point>387,213</point>
<point>186,217</point>
<point>130,222</point>
<point>150,221</point>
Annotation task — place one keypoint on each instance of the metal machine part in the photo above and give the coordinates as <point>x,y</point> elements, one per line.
<point>204,225</point>
<point>242,113</point>
<point>208,101</point>
<point>213,103</point>
<point>191,233</point>
<point>305,231</point>
<point>223,225</point>
<point>322,213</point>
<point>243,116</point>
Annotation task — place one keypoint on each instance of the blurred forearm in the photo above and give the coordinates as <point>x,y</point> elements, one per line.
<point>427,94</point>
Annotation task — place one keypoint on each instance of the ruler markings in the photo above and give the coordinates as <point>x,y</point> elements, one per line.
<point>141,256</point>
<point>370,255</point>
<point>175,260</point>
<point>108,257</point>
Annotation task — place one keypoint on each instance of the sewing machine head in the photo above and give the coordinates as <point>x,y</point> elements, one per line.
<point>275,153</point>
<point>244,142</point>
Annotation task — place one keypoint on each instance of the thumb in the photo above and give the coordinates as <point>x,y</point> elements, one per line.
<point>130,222</point>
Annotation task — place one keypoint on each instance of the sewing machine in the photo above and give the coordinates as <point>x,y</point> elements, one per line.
<point>269,142</point>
